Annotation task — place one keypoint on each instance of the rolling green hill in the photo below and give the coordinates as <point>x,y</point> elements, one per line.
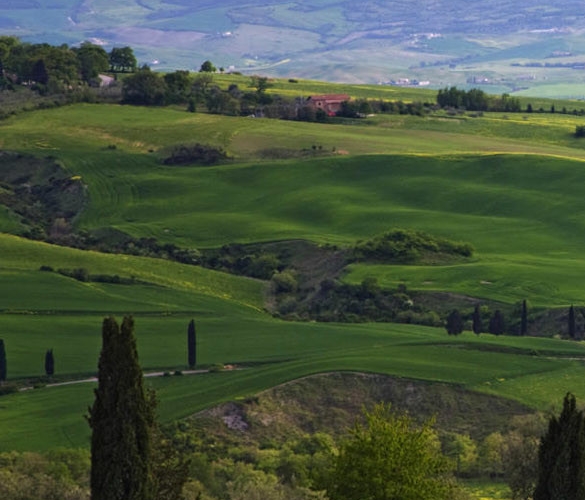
<point>508,184</point>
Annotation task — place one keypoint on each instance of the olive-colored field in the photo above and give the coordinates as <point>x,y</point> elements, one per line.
<point>509,184</point>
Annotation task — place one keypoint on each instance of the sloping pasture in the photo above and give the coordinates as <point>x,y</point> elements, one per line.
<point>516,196</point>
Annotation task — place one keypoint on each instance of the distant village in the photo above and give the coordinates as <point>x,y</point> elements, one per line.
<point>407,82</point>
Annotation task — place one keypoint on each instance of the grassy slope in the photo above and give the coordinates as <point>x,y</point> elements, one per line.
<point>420,173</point>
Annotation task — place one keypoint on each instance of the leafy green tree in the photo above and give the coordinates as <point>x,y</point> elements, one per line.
<point>122,59</point>
<point>178,84</point>
<point>520,454</point>
<point>391,458</point>
<point>477,325</point>
<point>454,323</point>
<point>192,344</point>
<point>207,67</point>
<point>7,43</point>
<point>2,361</point>
<point>93,60</point>
<point>218,101</point>
<point>121,419</point>
<point>561,456</point>
<point>49,363</point>
<point>144,87</point>
<point>497,325</point>
<point>200,87</point>
<point>463,450</point>
<point>490,455</point>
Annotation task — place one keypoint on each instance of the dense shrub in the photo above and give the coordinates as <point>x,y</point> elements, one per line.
<point>405,246</point>
<point>195,154</point>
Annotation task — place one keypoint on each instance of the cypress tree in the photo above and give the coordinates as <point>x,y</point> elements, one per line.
<point>49,363</point>
<point>454,323</point>
<point>561,456</point>
<point>571,325</point>
<point>192,344</point>
<point>497,325</point>
<point>477,326</point>
<point>524,319</point>
<point>122,419</point>
<point>2,362</point>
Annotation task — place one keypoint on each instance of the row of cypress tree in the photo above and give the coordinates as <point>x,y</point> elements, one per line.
<point>49,362</point>
<point>50,358</point>
<point>497,325</point>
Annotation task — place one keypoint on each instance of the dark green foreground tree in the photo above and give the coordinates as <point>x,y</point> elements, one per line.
<point>561,456</point>
<point>122,419</point>
<point>390,457</point>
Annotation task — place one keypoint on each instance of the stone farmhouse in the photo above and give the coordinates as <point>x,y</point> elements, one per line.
<point>330,103</point>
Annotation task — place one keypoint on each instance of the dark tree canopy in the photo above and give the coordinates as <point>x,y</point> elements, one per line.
<point>524,319</point>
<point>93,60</point>
<point>144,87</point>
<point>2,361</point>
<point>49,363</point>
<point>192,344</point>
<point>454,323</point>
<point>178,86</point>
<point>39,72</point>
<point>561,457</point>
<point>121,419</point>
<point>497,325</point>
<point>477,325</point>
<point>207,67</point>
<point>571,326</point>
<point>122,59</point>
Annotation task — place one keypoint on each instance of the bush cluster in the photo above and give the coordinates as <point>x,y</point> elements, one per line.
<point>195,154</point>
<point>407,246</point>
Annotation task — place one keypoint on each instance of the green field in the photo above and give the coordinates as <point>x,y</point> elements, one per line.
<point>511,185</point>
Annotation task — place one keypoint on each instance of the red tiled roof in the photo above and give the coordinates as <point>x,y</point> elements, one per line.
<point>330,97</point>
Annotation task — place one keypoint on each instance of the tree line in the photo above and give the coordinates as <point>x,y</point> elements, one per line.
<point>53,68</point>
<point>133,457</point>
<point>49,365</point>
<point>456,323</point>
<point>49,359</point>
<point>476,100</point>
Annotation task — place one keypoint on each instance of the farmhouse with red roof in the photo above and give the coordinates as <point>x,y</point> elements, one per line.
<point>330,103</point>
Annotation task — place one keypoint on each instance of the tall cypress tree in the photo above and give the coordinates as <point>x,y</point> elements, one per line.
<point>497,325</point>
<point>454,324</point>
<point>192,344</point>
<point>561,456</point>
<point>122,419</point>
<point>49,363</point>
<point>571,325</point>
<point>477,326</point>
<point>524,319</point>
<point>2,361</point>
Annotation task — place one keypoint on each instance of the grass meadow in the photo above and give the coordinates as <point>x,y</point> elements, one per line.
<point>511,185</point>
